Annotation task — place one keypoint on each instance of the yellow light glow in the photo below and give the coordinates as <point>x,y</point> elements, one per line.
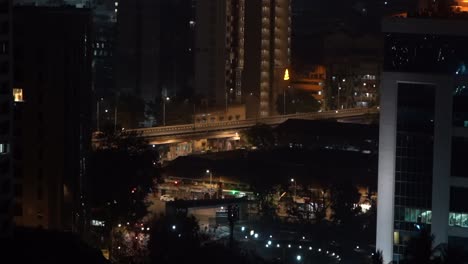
<point>286,75</point>
<point>18,94</point>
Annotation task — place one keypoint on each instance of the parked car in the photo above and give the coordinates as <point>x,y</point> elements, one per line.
<point>166,198</point>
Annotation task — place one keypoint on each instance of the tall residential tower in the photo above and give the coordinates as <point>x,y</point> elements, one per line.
<point>6,182</point>
<point>242,52</point>
<point>52,114</point>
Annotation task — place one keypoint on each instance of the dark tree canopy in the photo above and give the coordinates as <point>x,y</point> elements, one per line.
<point>177,240</point>
<point>119,176</point>
<point>297,102</point>
<point>174,239</point>
<point>344,196</point>
<point>419,249</point>
<point>261,136</point>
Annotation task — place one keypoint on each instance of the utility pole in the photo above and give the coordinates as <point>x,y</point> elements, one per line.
<point>97,115</point>
<point>284,101</point>
<point>233,217</point>
<point>226,101</point>
<point>115,111</point>
<point>211,186</point>
<point>164,112</point>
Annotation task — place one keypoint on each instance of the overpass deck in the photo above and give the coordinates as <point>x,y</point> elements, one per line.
<point>165,133</point>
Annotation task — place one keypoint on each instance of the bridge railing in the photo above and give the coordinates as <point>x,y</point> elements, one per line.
<point>178,129</point>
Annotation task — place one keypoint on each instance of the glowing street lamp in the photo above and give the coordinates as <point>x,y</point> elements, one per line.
<point>211,179</point>
<point>293,181</point>
<point>166,99</point>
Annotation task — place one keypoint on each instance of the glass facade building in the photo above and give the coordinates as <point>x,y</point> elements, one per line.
<point>423,134</point>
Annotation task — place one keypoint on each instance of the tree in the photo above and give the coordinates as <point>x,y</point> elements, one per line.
<point>297,102</point>
<point>177,240</point>
<point>450,255</point>
<point>305,102</point>
<point>419,249</point>
<point>320,204</point>
<point>260,136</point>
<point>119,175</point>
<point>174,240</point>
<point>344,198</point>
<point>377,258</point>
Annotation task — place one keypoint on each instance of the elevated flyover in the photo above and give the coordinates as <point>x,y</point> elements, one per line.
<point>181,133</point>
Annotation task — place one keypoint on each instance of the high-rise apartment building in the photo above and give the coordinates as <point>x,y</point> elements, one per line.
<point>137,48</point>
<point>6,181</point>
<point>52,113</point>
<point>219,50</point>
<point>242,52</point>
<point>104,24</point>
<point>423,180</point>
<point>177,46</point>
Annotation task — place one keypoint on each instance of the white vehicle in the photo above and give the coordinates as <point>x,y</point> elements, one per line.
<point>166,198</point>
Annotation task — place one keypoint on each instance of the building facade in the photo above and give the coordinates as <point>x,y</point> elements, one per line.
<point>104,23</point>
<point>423,134</point>
<point>52,116</point>
<point>242,52</point>
<point>354,64</point>
<point>177,43</point>
<point>6,179</point>
<point>137,48</point>
<point>219,50</point>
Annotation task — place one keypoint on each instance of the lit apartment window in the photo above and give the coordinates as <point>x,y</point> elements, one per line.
<point>3,148</point>
<point>18,94</point>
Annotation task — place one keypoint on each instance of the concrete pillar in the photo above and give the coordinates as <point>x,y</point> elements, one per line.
<point>442,160</point>
<point>386,178</point>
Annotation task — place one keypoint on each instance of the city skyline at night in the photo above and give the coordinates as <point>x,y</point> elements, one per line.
<point>234,131</point>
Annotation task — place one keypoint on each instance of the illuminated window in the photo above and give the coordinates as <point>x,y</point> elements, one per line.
<point>3,148</point>
<point>396,238</point>
<point>97,223</point>
<point>18,94</point>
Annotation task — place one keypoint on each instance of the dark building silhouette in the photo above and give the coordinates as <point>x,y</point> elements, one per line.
<point>104,29</point>
<point>6,181</point>
<point>176,61</point>
<point>137,48</point>
<point>53,51</point>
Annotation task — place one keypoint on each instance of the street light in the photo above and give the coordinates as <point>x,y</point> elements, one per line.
<point>339,89</point>
<point>298,257</point>
<point>164,109</point>
<point>293,181</point>
<point>211,179</point>
<point>98,104</point>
